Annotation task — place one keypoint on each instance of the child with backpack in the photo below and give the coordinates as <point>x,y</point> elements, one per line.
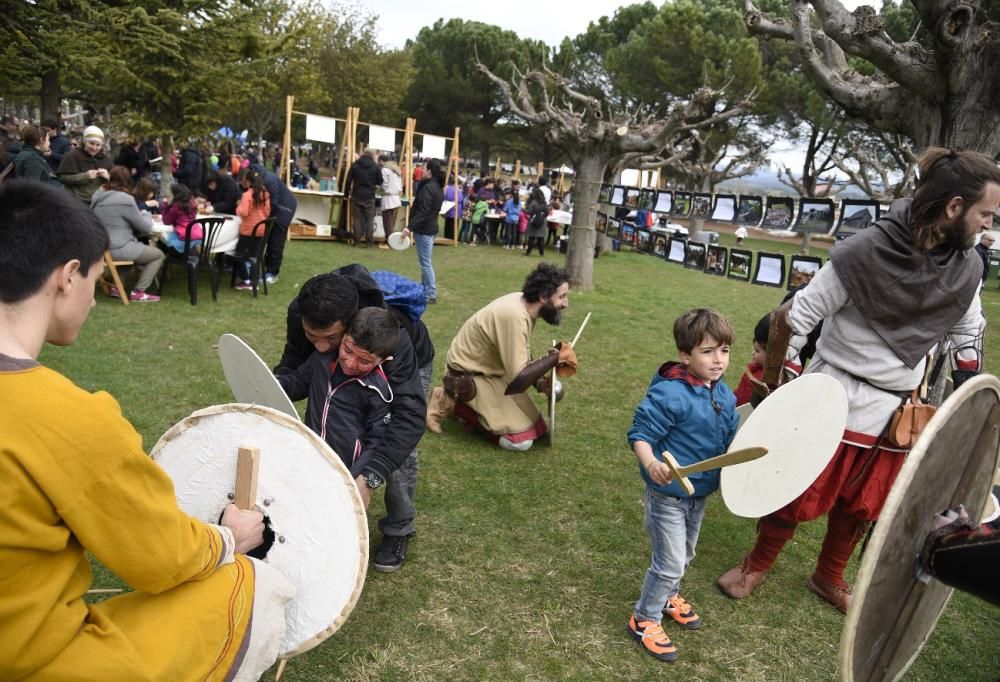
<point>537,210</point>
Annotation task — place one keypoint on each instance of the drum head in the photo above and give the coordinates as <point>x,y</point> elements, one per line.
<point>308,495</point>
<point>398,241</point>
<point>801,425</point>
<point>249,378</point>
<point>893,612</point>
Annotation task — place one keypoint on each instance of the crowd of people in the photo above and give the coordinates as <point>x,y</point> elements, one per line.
<point>125,194</point>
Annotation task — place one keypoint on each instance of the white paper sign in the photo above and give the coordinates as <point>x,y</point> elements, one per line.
<point>663,202</point>
<point>769,270</point>
<point>321,128</point>
<point>382,138</point>
<point>724,209</point>
<point>630,176</point>
<point>433,147</point>
<point>676,251</point>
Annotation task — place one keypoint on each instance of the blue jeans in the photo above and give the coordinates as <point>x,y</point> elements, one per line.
<point>425,245</point>
<point>402,484</point>
<point>672,524</point>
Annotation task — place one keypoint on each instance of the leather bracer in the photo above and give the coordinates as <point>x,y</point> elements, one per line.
<point>532,372</point>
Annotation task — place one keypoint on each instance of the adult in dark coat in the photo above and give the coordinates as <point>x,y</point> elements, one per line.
<point>424,224</point>
<point>128,156</point>
<point>362,179</point>
<point>283,206</point>
<point>85,169</point>
<point>317,319</point>
<point>221,191</point>
<point>58,143</point>
<point>30,162</point>
<point>191,170</point>
<point>983,249</point>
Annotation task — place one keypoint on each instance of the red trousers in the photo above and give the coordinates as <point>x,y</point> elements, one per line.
<point>852,489</point>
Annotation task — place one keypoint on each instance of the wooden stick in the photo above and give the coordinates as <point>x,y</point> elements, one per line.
<point>577,337</point>
<point>246,477</point>
<point>110,590</point>
<point>281,669</point>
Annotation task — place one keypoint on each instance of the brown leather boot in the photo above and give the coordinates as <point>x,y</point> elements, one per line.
<point>439,406</point>
<point>738,582</point>
<point>838,595</point>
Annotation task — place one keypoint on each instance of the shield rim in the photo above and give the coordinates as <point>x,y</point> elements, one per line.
<point>361,515</point>
<point>893,502</point>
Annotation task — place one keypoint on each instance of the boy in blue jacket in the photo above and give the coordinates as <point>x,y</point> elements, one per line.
<point>689,412</point>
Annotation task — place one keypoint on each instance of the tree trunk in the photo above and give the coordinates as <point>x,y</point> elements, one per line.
<point>484,160</point>
<point>582,236</point>
<point>697,226</point>
<point>166,172</point>
<point>806,243</point>
<point>51,94</point>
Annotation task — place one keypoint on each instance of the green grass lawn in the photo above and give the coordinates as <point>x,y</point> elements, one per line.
<point>525,566</point>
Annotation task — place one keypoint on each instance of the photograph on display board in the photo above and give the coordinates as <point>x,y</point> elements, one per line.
<point>658,247</point>
<point>716,260</point>
<point>632,197</point>
<point>856,215</point>
<point>647,199</point>
<point>601,225</point>
<point>701,206</point>
<point>682,204</point>
<point>664,202</point>
<point>676,248</point>
<point>749,210</point>
<point>643,240</point>
<point>604,196</point>
<point>694,255</point>
<point>779,213</point>
<point>815,216</point>
<point>627,237</point>
<point>801,270</point>
<point>770,270</point>
<point>614,229</point>
<point>740,261</point>
<point>725,207</point>
<point>617,196</point>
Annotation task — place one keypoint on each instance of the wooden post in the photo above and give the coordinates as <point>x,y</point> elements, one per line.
<point>453,173</point>
<point>541,169</point>
<point>247,465</point>
<point>285,170</point>
<point>407,164</point>
<point>517,170</point>
<point>497,176</point>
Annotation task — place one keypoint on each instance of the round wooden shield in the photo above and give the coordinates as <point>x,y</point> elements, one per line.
<point>894,610</point>
<point>249,378</point>
<point>308,496</point>
<point>801,424</point>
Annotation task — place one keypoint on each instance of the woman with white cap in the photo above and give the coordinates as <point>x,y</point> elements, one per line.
<point>85,169</point>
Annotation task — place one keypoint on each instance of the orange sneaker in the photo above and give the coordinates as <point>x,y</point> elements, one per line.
<point>682,612</point>
<point>652,639</point>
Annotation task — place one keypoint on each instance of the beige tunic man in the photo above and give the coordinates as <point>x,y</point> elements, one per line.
<point>490,366</point>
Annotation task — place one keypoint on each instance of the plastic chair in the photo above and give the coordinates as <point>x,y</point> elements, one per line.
<point>192,258</point>
<point>112,265</point>
<point>257,258</point>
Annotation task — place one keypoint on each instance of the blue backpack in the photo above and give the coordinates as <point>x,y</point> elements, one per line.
<point>402,292</point>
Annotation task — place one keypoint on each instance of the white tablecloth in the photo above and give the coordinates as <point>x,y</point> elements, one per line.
<point>225,242</point>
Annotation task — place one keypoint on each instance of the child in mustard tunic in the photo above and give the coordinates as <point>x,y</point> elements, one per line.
<point>74,478</point>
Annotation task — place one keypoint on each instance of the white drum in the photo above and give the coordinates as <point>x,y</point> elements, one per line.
<point>801,424</point>
<point>308,496</point>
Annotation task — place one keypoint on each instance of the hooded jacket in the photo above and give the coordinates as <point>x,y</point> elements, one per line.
<point>426,207</point>
<point>352,414</point>
<point>362,179</point>
<point>30,164</point>
<point>121,218</point>
<point>689,419</point>
<point>409,401</point>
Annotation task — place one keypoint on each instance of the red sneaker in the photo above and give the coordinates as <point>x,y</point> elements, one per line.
<point>142,297</point>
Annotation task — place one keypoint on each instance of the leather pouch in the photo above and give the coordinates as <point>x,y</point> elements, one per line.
<point>909,420</point>
<point>460,386</point>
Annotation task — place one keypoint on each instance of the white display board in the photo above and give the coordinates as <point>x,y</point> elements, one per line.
<point>321,128</point>
<point>382,138</point>
<point>433,147</point>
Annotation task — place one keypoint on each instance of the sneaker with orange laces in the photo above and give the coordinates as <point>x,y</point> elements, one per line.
<point>652,639</point>
<point>682,612</point>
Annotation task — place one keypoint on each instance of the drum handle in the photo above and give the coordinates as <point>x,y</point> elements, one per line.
<point>247,464</point>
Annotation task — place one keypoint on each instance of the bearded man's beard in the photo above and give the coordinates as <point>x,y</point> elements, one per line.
<point>957,236</point>
<point>551,314</point>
